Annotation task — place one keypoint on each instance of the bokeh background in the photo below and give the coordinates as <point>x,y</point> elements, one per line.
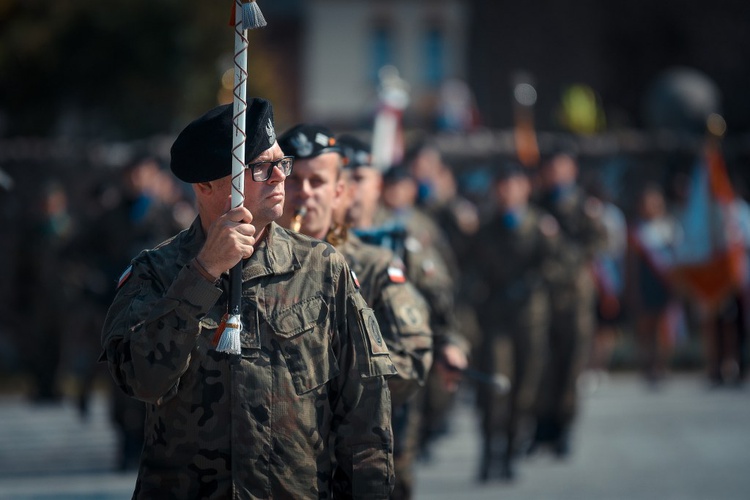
<point>92,94</point>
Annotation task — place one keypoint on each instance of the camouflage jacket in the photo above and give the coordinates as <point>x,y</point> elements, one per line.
<point>582,228</point>
<point>402,313</point>
<point>303,412</point>
<point>513,267</point>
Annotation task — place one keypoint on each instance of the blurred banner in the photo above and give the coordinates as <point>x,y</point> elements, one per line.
<point>710,262</point>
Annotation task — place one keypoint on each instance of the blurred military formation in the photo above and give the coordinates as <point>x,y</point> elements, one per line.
<point>534,276</point>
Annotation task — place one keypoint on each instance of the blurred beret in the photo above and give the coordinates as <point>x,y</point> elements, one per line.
<point>356,152</point>
<point>202,152</point>
<point>396,173</point>
<point>508,169</point>
<point>308,141</point>
<point>561,146</point>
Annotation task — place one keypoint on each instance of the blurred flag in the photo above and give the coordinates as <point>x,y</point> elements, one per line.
<point>524,134</point>
<point>387,135</point>
<point>710,262</point>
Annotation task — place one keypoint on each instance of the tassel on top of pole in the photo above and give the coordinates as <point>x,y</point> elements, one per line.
<point>246,15</point>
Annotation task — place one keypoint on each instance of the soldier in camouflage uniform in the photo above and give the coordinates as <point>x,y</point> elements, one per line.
<point>426,269</point>
<point>514,252</point>
<point>304,410</point>
<point>427,262</point>
<point>321,187</point>
<point>572,296</point>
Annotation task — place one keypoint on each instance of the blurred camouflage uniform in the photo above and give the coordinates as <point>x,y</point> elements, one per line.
<point>573,315</point>
<point>303,412</point>
<point>137,220</point>
<point>403,316</point>
<point>513,258</point>
<point>418,423</point>
<point>402,313</point>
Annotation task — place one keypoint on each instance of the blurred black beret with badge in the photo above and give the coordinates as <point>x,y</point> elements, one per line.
<point>356,152</point>
<point>308,141</point>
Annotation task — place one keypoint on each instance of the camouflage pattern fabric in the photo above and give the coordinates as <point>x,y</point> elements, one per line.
<point>303,412</point>
<point>402,313</point>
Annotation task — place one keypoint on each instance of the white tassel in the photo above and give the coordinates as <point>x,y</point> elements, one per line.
<point>252,17</point>
<point>230,337</point>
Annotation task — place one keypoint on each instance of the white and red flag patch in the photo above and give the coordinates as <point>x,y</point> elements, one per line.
<point>396,274</point>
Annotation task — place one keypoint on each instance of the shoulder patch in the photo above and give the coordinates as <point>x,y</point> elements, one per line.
<point>396,274</point>
<point>125,276</point>
<point>354,278</point>
<point>374,337</point>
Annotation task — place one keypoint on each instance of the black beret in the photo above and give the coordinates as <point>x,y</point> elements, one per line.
<point>562,146</point>
<point>509,169</point>
<point>397,173</point>
<point>307,141</point>
<point>356,152</point>
<point>203,150</point>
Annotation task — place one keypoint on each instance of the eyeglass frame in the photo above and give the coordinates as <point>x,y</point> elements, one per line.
<point>272,164</point>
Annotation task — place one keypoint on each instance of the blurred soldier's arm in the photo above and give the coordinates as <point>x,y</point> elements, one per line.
<point>436,285</point>
<point>593,234</point>
<point>403,316</point>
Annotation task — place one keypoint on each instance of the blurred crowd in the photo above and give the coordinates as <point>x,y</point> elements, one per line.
<point>556,275</point>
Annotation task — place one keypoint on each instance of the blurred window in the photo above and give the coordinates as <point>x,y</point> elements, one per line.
<point>382,49</point>
<point>434,52</point>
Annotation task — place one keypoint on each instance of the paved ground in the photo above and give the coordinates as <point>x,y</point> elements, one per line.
<point>682,442</point>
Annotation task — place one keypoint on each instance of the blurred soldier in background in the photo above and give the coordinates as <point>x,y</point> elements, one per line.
<point>424,246</point>
<point>42,292</point>
<point>609,277</point>
<point>137,214</point>
<point>514,250</point>
<point>458,220</point>
<point>318,197</point>
<point>572,297</point>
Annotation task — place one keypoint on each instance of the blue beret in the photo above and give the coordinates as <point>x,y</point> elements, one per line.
<point>202,152</point>
<point>356,152</point>
<point>307,141</point>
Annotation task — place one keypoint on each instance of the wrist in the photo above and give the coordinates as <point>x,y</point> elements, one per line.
<point>201,268</point>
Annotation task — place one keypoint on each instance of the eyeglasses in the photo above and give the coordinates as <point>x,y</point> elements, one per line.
<point>262,170</point>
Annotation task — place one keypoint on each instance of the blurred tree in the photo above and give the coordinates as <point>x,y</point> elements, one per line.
<point>116,69</point>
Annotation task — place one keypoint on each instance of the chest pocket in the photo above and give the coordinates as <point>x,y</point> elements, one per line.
<point>303,333</point>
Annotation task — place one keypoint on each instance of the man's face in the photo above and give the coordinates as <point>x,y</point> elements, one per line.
<point>367,184</point>
<point>512,192</point>
<point>315,185</point>
<point>265,200</point>
<point>559,170</point>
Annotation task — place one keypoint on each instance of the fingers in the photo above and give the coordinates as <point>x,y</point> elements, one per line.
<point>239,214</point>
<point>229,239</point>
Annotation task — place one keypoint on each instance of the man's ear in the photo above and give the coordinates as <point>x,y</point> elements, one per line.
<point>204,188</point>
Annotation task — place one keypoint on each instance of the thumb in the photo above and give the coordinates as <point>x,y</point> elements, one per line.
<point>228,204</point>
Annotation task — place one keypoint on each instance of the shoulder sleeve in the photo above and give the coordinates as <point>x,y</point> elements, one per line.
<point>404,319</point>
<point>150,316</point>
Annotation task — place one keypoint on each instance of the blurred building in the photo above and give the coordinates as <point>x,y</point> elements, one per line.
<point>345,44</point>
